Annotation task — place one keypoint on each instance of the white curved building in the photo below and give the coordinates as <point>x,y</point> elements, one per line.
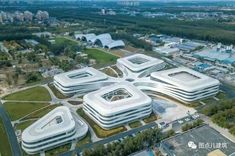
<point>142,71</point>
<point>80,81</point>
<point>106,41</point>
<point>184,84</point>
<point>56,128</point>
<point>116,105</point>
<point>103,40</point>
<point>115,44</point>
<point>139,65</point>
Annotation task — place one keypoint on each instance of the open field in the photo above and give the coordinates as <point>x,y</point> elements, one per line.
<point>102,133</point>
<point>102,58</point>
<point>18,110</point>
<point>32,94</point>
<point>5,148</point>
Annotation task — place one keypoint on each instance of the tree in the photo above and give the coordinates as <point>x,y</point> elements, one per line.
<point>33,77</point>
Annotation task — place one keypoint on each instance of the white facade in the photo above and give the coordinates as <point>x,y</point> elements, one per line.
<point>185,84</point>
<point>80,81</point>
<point>117,104</point>
<point>139,65</point>
<point>56,128</point>
<point>142,71</point>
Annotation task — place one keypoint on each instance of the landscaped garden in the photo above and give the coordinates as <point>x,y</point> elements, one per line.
<point>57,93</point>
<point>151,118</point>
<point>135,124</point>
<point>58,150</point>
<point>101,133</point>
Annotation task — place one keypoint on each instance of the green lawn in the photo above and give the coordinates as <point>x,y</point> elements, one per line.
<point>151,118</point>
<point>31,94</point>
<point>101,133</point>
<point>57,93</point>
<point>19,110</point>
<point>5,148</point>
<point>135,124</point>
<point>102,58</point>
<point>85,140</point>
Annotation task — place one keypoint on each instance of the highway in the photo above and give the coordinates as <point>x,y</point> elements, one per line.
<point>110,139</point>
<point>15,148</point>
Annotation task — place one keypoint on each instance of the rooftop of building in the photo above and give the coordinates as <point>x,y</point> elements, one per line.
<point>139,62</point>
<point>185,78</point>
<point>80,76</point>
<point>56,122</point>
<point>117,98</point>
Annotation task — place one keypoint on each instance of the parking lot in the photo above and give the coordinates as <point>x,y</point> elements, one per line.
<point>205,139</point>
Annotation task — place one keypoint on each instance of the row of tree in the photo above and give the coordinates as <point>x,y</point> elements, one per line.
<point>189,126</point>
<point>146,139</point>
<point>222,113</point>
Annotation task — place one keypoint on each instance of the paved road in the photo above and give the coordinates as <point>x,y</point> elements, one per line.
<point>110,139</point>
<point>15,148</point>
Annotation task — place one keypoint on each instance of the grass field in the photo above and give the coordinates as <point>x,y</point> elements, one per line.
<point>19,110</point>
<point>31,94</point>
<point>57,93</point>
<point>101,133</point>
<point>35,116</point>
<point>102,58</point>
<point>135,124</point>
<point>5,148</point>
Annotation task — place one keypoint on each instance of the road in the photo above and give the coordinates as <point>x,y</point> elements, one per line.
<point>110,139</point>
<point>15,148</point>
